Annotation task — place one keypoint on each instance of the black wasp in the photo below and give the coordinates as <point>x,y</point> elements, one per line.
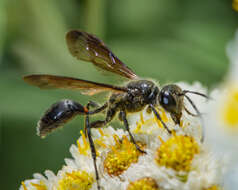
<point>133,97</point>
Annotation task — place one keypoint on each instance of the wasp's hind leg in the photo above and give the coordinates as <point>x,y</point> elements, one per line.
<point>96,124</point>
<point>122,117</point>
<point>97,106</point>
<point>92,104</point>
<point>89,135</point>
<point>97,110</point>
<point>101,123</point>
<point>92,148</point>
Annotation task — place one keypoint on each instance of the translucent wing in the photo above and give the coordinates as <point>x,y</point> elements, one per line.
<point>86,87</point>
<point>87,47</point>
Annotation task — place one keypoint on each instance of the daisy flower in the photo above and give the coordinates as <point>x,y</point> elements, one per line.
<point>222,117</point>
<point>179,161</point>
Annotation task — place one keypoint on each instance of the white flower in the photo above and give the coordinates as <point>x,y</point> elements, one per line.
<point>222,118</point>
<point>30,184</point>
<point>179,161</point>
<point>206,168</point>
<point>221,122</point>
<point>40,182</point>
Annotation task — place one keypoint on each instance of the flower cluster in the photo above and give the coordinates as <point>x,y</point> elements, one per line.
<point>221,117</point>
<point>180,161</point>
<point>177,161</point>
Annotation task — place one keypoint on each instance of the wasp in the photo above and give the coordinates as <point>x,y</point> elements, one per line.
<point>130,98</point>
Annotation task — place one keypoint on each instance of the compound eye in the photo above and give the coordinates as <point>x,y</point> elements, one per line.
<point>167,100</point>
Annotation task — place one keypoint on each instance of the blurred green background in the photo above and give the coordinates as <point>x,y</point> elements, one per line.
<point>179,40</point>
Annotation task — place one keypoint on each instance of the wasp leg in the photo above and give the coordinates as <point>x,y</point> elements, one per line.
<point>97,124</point>
<point>92,148</point>
<point>98,109</point>
<point>123,118</point>
<point>100,123</point>
<point>159,118</point>
<point>93,104</point>
<point>192,114</point>
<point>88,127</point>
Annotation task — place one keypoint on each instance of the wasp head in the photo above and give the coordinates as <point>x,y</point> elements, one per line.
<point>171,100</point>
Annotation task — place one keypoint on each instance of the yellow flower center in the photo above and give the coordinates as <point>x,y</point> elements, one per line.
<point>230,111</point>
<point>146,183</point>
<point>121,156</point>
<point>75,181</point>
<point>235,5</point>
<point>214,187</point>
<point>177,152</point>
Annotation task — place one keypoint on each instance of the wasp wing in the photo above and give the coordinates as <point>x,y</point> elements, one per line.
<point>87,47</point>
<point>86,87</point>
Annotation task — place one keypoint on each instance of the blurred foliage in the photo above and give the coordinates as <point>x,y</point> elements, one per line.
<point>166,40</point>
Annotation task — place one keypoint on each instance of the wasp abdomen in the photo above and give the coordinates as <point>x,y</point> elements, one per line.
<point>57,115</point>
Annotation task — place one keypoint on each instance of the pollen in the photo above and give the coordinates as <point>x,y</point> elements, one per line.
<point>102,133</point>
<point>23,185</point>
<point>101,140</point>
<point>230,110</point>
<point>235,5</point>
<point>143,124</point>
<point>177,152</point>
<point>138,128</point>
<point>146,183</point>
<point>40,186</point>
<point>214,187</point>
<point>76,180</point>
<point>83,149</point>
<point>121,156</point>
<point>142,118</point>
